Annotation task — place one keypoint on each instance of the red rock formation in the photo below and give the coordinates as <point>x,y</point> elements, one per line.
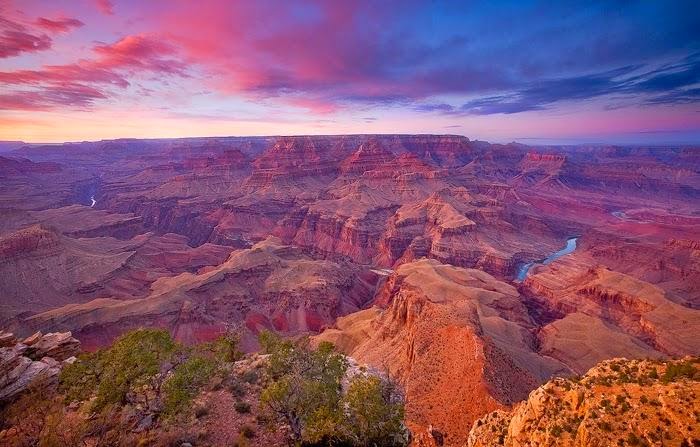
<point>618,399</point>
<point>457,339</point>
<point>77,270</point>
<point>637,316</point>
<point>292,162</point>
<point>369,155</point>
<point>23,166</point>
<point>155,249</point>
<point>268,286</point>
<point>35,362</point>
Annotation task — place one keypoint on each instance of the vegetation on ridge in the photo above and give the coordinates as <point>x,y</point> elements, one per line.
<point>306,391</point>
<point>148,390</point>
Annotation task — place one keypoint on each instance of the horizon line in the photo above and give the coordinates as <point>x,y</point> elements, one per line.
<point>554,141</point>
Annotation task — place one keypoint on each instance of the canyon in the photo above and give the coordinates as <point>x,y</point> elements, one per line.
<point>435,258</point>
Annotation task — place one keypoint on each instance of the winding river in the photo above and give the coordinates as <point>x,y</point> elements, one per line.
<point>525,268</point>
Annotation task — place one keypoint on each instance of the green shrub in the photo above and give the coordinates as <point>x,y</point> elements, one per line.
<point>79,380</point>
<point>305,383</point>
<point>224,348</point>
<point>131,362</point>
<point>305,391</point>
<point>250,376</point>
<point>632,439</point>
<point>374,412</point>
<point>675,371</point>
<point>242,407</point>
<point>186,381</point>
<point>605,426</point>
<point>201,410</point>
<point>237,389</point>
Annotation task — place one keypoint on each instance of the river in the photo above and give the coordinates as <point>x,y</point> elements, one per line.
<point>525,268</point>
<point>620,215</point>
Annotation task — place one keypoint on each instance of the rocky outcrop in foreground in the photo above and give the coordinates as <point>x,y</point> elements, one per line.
<point>35,361</point>
<point>618,402</point>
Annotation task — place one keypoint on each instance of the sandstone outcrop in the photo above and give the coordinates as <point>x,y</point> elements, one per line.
<point>78,270</point>
<point>618,402</point>
<point>631,317</point>
<point>34,362</point>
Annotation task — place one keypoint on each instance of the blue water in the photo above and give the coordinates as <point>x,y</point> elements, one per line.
<point>620,215</point>
<point>522,271</point>
<point>525,268</point>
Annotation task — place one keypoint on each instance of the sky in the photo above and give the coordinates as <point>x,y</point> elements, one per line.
<point>558,71</point>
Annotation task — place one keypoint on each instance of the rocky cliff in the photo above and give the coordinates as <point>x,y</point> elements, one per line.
<point>34,362</point>
<point>456,338</point>
<point>618,402</point>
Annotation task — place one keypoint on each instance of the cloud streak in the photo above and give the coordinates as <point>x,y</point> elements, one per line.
<point>105,7</point>
<point>80,84</point>
<point>669,84</point>
<point>335,55</point>
<point>16,39</point>
<point>60,25</point>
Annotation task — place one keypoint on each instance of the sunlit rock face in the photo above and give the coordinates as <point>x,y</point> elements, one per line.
<point>34,362</point>
<point>404,250</point>
<point>617,399</point>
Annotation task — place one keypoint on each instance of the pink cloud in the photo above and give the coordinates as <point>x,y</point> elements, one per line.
<point>333,53</point>
<point>328,49</point>
<point>318,106</point>
<point>319,55</point>
<point>16,39</point>
<point>82,82</point>
<point>105,6</point>
<point>144,52</point>
<point>73,95</point>
<point>60,25</point>
<point>85,71</point>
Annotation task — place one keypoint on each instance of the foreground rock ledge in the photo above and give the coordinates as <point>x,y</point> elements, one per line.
<point>35,361</point>
<point>618,402</point>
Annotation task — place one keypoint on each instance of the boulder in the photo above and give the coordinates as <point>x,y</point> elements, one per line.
<point>33,339</point>
<point>37,366</point>
<point>57,345</point>
<point>7,339</point>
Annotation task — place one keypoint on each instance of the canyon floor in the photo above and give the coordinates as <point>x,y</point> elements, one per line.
<point>425,256</point>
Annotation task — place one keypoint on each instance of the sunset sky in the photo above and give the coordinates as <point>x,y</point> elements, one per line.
<point>560,72</point>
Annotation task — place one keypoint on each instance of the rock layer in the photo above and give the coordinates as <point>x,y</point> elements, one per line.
<point>34,362</point>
